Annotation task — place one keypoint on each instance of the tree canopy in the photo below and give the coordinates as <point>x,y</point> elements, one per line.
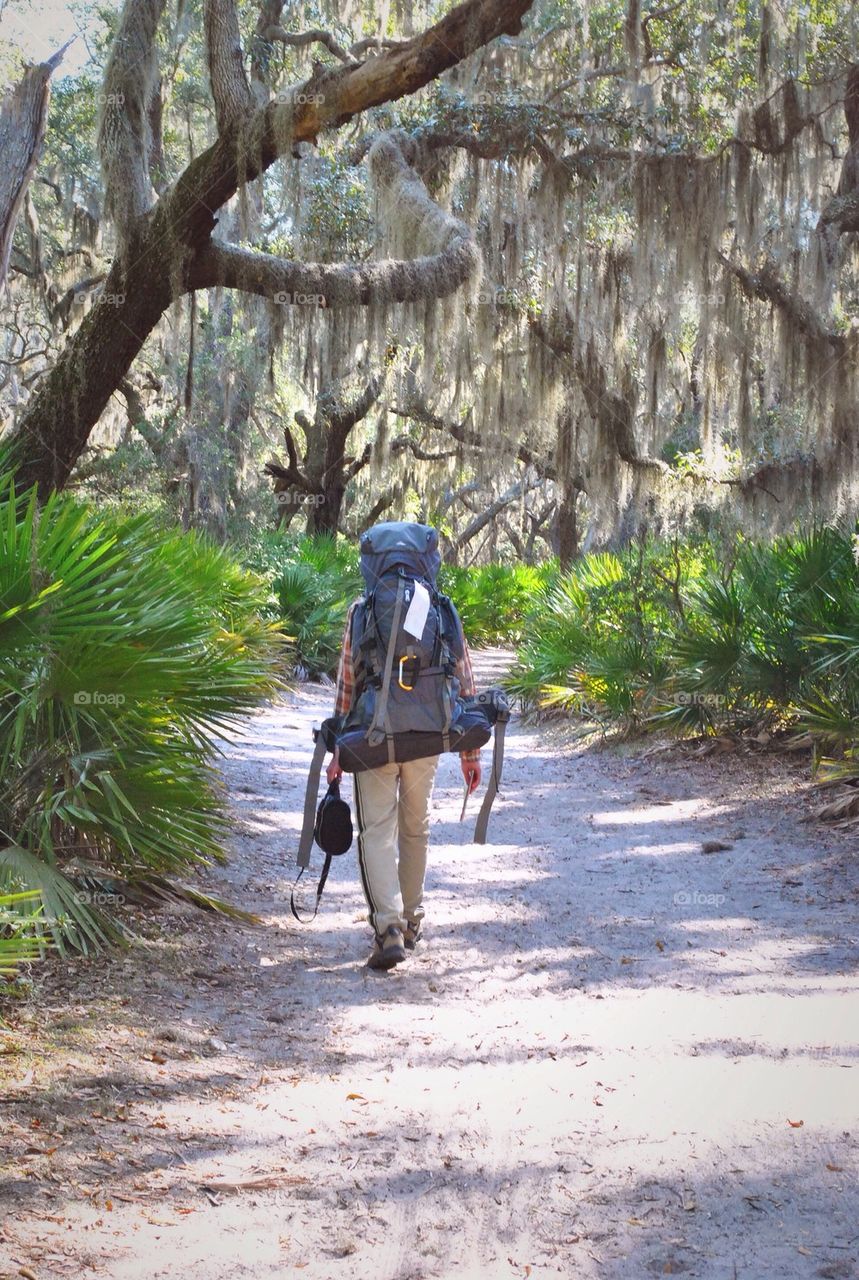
<point>545,271</point>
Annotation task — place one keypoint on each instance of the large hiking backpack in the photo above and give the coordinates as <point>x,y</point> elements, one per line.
<point>406,642</point>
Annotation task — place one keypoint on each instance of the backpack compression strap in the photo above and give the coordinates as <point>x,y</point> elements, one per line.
<point>305,843</point>
<point>482,823</point>
<point>380,726</point>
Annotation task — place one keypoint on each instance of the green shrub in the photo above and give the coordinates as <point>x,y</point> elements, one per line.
<point>595,644</point>
<point>493,600</point>
<point>123,651</point>
<point>750,652</point>
<point>312,581</point>
<point>758,636</point>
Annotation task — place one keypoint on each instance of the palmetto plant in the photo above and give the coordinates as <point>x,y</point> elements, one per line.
<point>757,636</point>
<point>752,649</point>
<point>124,650</point>
<point>312,582</point>
<point>494,599</point>
<point>595,644</point>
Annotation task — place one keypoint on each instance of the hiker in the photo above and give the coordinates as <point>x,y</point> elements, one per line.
<point>392,799</point>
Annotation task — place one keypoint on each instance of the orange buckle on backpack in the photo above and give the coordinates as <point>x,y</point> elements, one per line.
<point>414,672</point>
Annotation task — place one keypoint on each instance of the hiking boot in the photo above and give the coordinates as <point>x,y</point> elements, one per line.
<point>389,949</point>
<point>412,935</point>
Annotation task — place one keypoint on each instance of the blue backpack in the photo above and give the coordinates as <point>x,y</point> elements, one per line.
<point>407,640</point>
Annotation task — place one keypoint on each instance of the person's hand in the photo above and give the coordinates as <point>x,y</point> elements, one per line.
<point>334,773</point>
<point>471,773</point>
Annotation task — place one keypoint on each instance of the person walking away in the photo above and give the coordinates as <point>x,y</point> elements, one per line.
<point>392,809</point>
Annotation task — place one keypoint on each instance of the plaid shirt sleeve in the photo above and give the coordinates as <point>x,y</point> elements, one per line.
<point>465,674</point>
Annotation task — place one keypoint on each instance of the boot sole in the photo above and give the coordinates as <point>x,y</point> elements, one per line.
<point>383,961</point>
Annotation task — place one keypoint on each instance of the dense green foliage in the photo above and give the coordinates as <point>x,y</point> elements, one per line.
<point>124,651</point>
<point>313,580</point>
<point>493,599</point>
<point>312,583</point>
<point>752,637</point>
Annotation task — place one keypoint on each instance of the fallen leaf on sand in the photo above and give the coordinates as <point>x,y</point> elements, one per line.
<point>660,946</point>
<point>835,1168</point>
<point>796,1124</point>
<point>353,1097</point>
<point>264,1183</point>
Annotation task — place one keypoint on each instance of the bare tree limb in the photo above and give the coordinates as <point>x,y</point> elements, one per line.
<point>374,44</point>
<point>480,521</point>
<point>54,429</point>
<point>328,100</point>
<point>767,286</point>
<point>399,443</point>
<point>465,435</point>
<point>841,213</point>
<point>298,40</point>
<point>433,275</point>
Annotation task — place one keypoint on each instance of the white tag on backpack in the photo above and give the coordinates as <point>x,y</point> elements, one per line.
<point>416,617</point>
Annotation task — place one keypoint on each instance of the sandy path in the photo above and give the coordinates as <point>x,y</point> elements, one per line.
<point>615,1055</point>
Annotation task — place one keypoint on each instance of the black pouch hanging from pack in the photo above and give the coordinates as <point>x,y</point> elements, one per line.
<point>332,831</point>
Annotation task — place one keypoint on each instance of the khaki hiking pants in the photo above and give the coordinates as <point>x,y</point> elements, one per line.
<point>392,805</point>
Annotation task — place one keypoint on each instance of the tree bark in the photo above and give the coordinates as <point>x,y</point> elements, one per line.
<point>23,116</point>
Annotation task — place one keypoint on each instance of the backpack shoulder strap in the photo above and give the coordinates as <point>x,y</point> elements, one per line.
<point>451,626</point>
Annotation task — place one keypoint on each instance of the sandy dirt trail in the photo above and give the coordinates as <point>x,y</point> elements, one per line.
<point>616,1055</point>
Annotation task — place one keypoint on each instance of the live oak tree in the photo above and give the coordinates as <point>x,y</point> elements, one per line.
<point>165,244</point>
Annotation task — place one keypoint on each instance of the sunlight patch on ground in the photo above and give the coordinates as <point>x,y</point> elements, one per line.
<point>674,812</point>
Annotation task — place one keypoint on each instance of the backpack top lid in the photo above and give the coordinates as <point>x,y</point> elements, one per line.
<point>399,543</point>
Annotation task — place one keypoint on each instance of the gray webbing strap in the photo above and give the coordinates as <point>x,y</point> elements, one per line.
<point>380,726</point>
<point>492,790</point>
<point>305,844</point>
